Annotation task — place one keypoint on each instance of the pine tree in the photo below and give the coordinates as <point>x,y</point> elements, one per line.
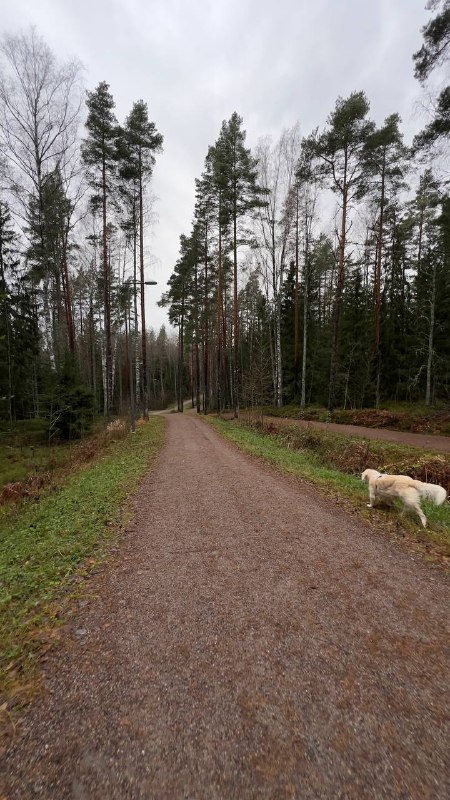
<point>385,158</point>
<point>176,300</point>
<point>99,154</point>
<point>306,185</point>
<point>341,148</point>
<point>139,141</point>
<point>205,215</point>
<point>242,196</point>
<point>433,54</point>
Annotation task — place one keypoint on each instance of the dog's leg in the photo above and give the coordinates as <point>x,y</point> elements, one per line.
<point>412,505</point>
<point>371,497</point>
<point>422,516</point>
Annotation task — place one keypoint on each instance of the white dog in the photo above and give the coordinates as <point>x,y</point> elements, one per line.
<point>409,491</point>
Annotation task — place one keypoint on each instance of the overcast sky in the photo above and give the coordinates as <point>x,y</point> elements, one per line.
<point>196,61</point>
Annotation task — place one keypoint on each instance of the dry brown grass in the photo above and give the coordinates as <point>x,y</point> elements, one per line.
<point>12,492</point>
<point>353,456</point>
<point>427,468</point>
<point>80,453</point>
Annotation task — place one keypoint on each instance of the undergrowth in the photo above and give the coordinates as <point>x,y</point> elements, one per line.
<point>29,467</point>
<point>45,545</point>
<point>403,417</point>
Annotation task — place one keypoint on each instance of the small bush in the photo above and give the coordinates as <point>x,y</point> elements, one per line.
<point>117,429</point>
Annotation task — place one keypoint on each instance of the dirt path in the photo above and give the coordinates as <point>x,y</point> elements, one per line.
<point>427,441</point>
<point>252,641</point>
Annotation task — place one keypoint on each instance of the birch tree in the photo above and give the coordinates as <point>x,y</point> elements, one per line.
<point>275,220</point>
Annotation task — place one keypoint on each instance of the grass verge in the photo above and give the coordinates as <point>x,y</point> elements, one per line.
<point>43,546</point>
<point>309,464</point>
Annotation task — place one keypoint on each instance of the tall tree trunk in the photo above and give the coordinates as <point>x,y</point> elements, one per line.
<point>278,352</point>
<point>377,353</point>
<point>130,367</point>
<point>161,372</point>
<point>235,315</point>
<point>192,373</point>
<point>431,335</point>
<point>137,358</point>
<point>92,349</point>
<point>419,244</point>
<point>106,300</point>
<point>206,345</point>
<point>296,309</point>
<point>305,312</point>
<point>141,257</point>
<point>197,337</point>
<point>67,298</point>
<point>226,364</point>
<point>219,320</point>
<point>5,303</point>
<point>180,355</point>
<point>339,293</point>
<point>276,286</point>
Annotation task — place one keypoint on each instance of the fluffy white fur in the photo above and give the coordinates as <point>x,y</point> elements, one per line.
<point>409,491</point>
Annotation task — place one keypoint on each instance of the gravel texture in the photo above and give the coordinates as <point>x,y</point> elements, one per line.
<point>251,641</point>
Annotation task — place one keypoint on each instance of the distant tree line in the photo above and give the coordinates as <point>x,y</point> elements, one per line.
<point>73,214</point>
<point>272,306</point>
<point>270,303</point>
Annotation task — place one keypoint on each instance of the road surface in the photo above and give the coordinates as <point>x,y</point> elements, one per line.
<point>252,640</point>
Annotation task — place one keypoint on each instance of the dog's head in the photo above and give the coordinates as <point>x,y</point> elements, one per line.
<point>370,475</point>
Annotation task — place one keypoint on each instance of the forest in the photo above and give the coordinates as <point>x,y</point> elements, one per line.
<point>316,270</point>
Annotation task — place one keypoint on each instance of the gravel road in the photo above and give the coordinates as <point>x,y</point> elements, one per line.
<point>251,640</point>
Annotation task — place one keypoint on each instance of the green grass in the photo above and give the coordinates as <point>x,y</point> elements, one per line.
<point>25,453</point>
<point>308,465</point>
<point>18,463</point>
<point>42,545</point>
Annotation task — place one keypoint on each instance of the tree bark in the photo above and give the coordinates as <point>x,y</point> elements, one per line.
<point>106,300</point>
<point>305,312</point>
<point>219,320</point>
<point>339,293</point>
<point>197,337</point>
<point>180,356</point>
<point>141,262</point>
<point>378,286</point>
<point>296,309</point>
<point>431,336</point>
<point>206,345</point>
<point>235,316</point>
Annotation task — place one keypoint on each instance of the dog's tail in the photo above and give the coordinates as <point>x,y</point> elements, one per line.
<point>431,491</point>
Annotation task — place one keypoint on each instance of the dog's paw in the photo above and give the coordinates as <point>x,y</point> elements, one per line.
<point>369,505</point>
